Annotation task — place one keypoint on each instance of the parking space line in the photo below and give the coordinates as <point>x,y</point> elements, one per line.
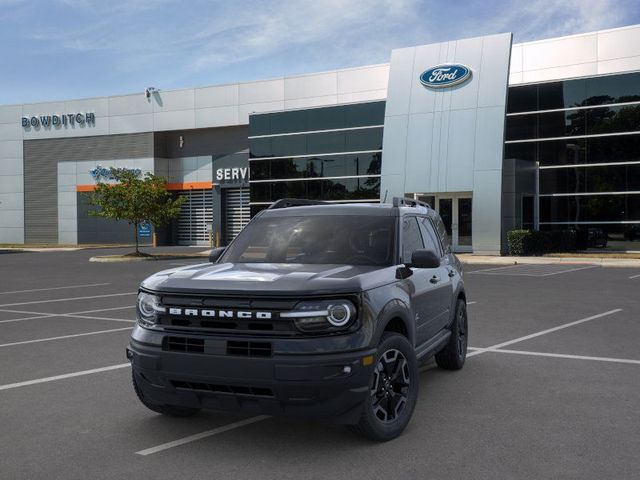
<point>570,270</point>
<point>471,303</point>
<point>544,332</point>
<point>558,355</point>
<point>634,276</point>
<point>67,299</point>
<point>40,315</point>
<point>87,285</point>
<point>201,435</point>
<point>48,339</point>
<point>36,381</point>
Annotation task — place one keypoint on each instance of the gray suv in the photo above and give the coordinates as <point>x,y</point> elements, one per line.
<point>314,309</point>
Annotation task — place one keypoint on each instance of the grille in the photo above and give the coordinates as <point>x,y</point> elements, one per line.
<point>184,344</point>
<point>274,326</point>
<point>231,389</point>
<point>249,349</point>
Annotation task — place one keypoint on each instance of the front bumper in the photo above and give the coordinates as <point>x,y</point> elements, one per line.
<point>318,385</point>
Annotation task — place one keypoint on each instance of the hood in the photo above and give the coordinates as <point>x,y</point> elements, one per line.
<point>269,278</point>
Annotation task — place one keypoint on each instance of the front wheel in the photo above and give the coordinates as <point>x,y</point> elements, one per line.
<point>393,390</point>
<point>453,355</point>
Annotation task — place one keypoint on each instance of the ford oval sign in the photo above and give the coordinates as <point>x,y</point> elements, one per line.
<point>442,76</point>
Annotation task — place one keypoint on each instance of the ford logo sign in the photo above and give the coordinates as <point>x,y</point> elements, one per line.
<point>442,76</point>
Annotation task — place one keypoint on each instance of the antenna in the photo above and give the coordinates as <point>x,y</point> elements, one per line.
<point>385,195</point>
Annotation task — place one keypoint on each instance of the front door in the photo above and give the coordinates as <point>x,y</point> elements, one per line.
<point>455,211</point>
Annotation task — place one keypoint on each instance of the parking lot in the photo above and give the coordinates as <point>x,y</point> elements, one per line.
<point>551,388</point>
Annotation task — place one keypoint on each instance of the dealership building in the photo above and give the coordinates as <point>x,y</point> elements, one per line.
<point>494,135</point>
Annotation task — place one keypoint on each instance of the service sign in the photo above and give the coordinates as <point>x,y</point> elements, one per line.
<point>235,174</point>
<point>442,76</point>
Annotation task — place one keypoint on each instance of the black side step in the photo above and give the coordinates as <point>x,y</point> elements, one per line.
<point>432,346</point>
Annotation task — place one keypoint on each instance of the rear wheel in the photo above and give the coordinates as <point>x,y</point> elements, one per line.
<point>170,410</point>
<point>393,390</point>
<point>453,355</point>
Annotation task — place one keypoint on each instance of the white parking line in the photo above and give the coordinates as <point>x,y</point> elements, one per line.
<point>534,270</point>
<point>634,276</point>
<point>560,355</point>
<point>48,339</point>
<point>9,386</point>
<point>471,303</point>
<point>67,299</point>
<point>87,285</point>
<point>201,435</point>
<point>39,315</point>
<point>543,332</point>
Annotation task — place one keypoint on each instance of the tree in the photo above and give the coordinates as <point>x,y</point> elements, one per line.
<point>134,199</point>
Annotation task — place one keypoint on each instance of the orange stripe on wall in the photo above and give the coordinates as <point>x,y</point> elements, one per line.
<point>189,185</point>
<point>170,186</point>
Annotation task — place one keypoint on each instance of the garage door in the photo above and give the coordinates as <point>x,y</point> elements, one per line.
<point>237,211</point>
<point>196,214</point>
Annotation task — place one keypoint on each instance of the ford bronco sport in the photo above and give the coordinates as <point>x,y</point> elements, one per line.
<point>313,310</point>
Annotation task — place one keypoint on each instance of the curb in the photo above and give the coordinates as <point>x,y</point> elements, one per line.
<point>121,259</point>
<point>600,261</point>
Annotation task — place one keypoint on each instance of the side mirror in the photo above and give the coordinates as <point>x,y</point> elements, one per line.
<point>215,254</point>
<point>425,259</point>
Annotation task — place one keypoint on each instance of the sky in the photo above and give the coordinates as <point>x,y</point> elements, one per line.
<point>68,49</point>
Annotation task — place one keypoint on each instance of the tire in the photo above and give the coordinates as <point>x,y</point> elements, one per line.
<point>453,355</point>
<point>395,358</point>
<point>169,410</point>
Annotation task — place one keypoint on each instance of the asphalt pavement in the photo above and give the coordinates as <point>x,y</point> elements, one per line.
<point>551,387</point>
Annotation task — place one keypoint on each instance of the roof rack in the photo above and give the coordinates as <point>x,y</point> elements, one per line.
<point>294,202</point>
<point>409,202</point>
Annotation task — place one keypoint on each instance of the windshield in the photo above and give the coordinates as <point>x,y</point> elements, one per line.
<point>320,239</point>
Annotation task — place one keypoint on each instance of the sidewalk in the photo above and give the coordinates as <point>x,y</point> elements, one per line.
<point>601,260</point>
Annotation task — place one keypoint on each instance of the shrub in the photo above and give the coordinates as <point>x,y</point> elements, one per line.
<point>534,242</point>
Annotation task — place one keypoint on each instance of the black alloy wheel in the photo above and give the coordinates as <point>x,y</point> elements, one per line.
<point>390,389</point>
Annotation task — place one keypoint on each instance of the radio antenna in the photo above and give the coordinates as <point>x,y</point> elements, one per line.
<point>385,196</point>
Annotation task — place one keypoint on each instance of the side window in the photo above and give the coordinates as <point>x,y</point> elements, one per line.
<point>442,233</point>
<point>411,237</point>
<point>431,241</point>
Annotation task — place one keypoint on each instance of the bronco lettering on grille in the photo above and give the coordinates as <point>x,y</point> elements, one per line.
<point>241,314</point>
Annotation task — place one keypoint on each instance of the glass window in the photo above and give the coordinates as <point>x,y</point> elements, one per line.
<point>441,229</point>
<point>325,118</point>
<point>260,192</point>
<point>613,119</point>
<point>522,99</point>
<point>561,124</point>
<point>613,89</point>
<point>260,147</point>
<point>259,125</point>
<point>623,148</point>
<point>368,139</point>
<point>288,145</point>
<point>429,236</point>
<point>590,208</point>
<point>361,114</point>
<point>260,170</point>
<point>570,93</point>
<point>411,238</point>
<point>562,152</point>
<point>522,151</point>
<point>319,239</point>
<point>286,122</point>
<point>615,178</point>
<point>521,127</point>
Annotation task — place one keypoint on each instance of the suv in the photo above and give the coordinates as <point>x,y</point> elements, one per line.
<point>313,310</point>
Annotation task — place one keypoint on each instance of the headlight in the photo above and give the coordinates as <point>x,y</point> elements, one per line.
<point>322,316</point>
<point>148,308</point>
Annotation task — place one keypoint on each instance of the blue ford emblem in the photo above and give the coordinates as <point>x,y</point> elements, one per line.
<point>442,76</point>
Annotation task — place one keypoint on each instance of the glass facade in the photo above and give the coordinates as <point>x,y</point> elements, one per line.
<point>329,153</point>
<point>583,139</point>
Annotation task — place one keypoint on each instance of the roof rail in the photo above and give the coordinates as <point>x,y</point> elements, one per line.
<point>294,202</point>
<point>409,202</point>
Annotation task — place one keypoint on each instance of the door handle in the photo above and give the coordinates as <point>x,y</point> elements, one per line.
<point>435,279</point>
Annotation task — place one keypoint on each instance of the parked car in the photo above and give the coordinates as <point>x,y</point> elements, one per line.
<point>313,310</point>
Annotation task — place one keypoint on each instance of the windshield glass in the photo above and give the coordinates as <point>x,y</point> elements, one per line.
<point>320,239</point>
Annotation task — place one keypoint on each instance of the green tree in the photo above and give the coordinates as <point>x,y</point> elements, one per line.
<point>136,199</point>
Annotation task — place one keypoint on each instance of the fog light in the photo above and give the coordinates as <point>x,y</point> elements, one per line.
<point>346,369</point>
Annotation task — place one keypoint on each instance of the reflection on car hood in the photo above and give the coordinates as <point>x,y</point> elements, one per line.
<point>270,278</point>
